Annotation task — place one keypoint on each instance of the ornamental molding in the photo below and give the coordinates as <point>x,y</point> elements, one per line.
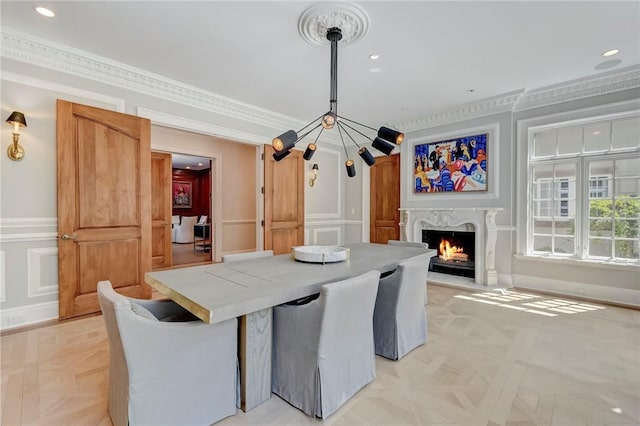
<point>483,108</point>
<point>602,84</point>
<point>317,19</point>
<point>35,51</point>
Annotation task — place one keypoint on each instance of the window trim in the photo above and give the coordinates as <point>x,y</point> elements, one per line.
<point>524,129</point>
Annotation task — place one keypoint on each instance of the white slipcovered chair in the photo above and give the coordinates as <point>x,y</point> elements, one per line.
<point>236,257</point>
<point>184,230</point>
<point>417,245</point>
<point>399,319</point>
<point>323,351</point>
<point>167,373</point>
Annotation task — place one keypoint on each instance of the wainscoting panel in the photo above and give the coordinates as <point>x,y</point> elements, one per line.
<point>42,274</point>
<point>2,276</point>
<point>327,236</point>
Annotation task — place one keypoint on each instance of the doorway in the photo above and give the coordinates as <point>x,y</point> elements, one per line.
<point>191,221</point>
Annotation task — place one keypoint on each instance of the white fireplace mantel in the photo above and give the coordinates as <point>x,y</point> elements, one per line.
<point>483,221</point>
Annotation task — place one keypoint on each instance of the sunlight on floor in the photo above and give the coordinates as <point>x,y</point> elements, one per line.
<point>517,302</point>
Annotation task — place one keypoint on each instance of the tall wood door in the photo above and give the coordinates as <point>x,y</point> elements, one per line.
<point>385,199</point>
<point>104,205</point>
<point>161,202</point>
<point>283,201</point>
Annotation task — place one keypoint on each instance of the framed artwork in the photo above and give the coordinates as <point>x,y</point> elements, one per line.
<point>182,195</point>
<point>452,165</point>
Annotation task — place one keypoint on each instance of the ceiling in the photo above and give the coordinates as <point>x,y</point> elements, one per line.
<point>180,161</point>
<point>434,55</point>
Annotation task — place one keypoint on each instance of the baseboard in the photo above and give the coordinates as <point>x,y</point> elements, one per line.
<point>621,296</point>
<point>28,315</point>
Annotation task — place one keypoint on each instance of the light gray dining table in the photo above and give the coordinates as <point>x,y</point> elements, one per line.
<point>248,290</point>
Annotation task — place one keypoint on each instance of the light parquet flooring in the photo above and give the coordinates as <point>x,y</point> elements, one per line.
<point>491,359</point>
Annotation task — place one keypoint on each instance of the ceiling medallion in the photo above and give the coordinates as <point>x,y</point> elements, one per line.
<point>317,19</point>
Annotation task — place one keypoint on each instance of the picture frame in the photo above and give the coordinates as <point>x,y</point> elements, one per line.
<point>452,165</point>
<point>182,195</point>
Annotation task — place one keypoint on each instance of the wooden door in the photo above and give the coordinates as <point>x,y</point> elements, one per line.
<point>283,201</point>
<point>161,202</point>
<point>104,205</point>
<point>385,199</point>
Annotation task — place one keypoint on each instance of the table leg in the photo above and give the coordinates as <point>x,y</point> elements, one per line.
<point>255,358</point>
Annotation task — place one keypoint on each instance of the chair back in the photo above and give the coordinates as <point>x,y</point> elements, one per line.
<point>110,302</point>
<point>236,257</point>
<point>346,354</point>
<point>412,276</point>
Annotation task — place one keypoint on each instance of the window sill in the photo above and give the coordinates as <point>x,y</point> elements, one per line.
<point>632,266</point>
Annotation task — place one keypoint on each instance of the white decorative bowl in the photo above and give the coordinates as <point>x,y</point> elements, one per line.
<point>320,254</point>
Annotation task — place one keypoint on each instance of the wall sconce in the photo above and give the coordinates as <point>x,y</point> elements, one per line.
<point>314,169</point>
<point>15,150</point>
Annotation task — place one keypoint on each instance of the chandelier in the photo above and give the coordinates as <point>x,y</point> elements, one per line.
<point>384,140</point>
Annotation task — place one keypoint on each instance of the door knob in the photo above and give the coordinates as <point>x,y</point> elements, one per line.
<point>68,237</point>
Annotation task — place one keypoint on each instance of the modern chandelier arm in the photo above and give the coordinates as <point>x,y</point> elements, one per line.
<point>341,126</point>
<point>355,122</point>
<point>342,123</point>
<point>307,134</point>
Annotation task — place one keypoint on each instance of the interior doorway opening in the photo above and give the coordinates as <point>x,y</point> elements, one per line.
<point>191,222</point>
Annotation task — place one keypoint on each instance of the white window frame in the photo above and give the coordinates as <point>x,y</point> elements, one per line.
<point>525,131</point>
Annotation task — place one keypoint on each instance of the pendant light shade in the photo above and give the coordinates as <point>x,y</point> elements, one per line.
<point>382,146</point>
<point>366,156</point>
<point>280,155</point>
<point>308,153</point>
<point>351,168</point>
<point>384,140</point>
<point>390,135</point>
<point>285,141</point>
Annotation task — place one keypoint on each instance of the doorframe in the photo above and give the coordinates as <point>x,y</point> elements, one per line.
<point>183,123</point>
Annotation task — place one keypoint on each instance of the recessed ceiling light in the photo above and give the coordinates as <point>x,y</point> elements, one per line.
<point>374,56</point>
<point>200,164</point>
<point>597,132</point>
<point>45,12</point>
<point>375,70</point>
<point>471,90</point>
<point>188,167</point>
<point>610,52</point>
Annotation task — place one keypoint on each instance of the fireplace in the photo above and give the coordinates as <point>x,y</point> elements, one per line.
<point>478,221</point>
<point>456,251</point>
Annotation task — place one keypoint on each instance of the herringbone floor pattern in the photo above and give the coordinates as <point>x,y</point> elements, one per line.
<point>493,358</point>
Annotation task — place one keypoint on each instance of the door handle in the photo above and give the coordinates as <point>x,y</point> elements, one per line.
<point>68,237</point>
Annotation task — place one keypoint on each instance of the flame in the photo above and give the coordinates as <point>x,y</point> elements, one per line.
<point>447,251</point>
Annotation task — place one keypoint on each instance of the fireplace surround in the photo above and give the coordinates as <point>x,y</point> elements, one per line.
<point>479,220</point>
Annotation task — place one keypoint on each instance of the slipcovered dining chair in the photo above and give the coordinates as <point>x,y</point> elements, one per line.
<point>399,319</point>
<point>245,256</point>
<point>163,372</point>
<point>417,245</point>
<point>323,351</point>
<point>184,230</point>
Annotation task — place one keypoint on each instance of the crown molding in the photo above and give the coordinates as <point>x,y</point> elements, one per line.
<point>485,107</point>
<point>43,53</point>
<point>601,84</point>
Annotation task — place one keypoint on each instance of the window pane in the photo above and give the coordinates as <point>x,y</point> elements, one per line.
<point>542,243</point>
<point>597,137</point>
<point>627,249</point>
<point>564,245</point>
<point>566,171</point>
<point>626,133</point>
<point>629,167</point>
<point>627,228</point>
<point>542,191</point>
<point>565,227</point>
<point>601,228</point>
<point>627,207</point>
<point>542,208</point>
<point>541,226</point>
<point>600,169</point>
<point>544,143</point>
<point>570,140</point>
<point>600,208</point>
<point>598,247</point>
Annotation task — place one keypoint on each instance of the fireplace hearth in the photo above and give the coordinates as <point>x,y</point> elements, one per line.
<point>456,251</point>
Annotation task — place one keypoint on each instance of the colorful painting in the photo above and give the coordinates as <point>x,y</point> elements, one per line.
<point>182,195</point>
<point>453,165</point>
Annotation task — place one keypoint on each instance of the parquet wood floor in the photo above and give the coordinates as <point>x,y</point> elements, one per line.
<point>491,359</point>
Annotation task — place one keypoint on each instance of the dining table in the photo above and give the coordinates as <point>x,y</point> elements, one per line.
<point>249,289</point>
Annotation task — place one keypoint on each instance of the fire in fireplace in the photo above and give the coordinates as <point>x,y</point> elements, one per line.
<point>456,250</point>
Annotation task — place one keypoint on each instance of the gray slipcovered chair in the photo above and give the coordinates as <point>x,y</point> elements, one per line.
<point>236,257</point>
<point>163,372</point>
<point>323,351</point>
<point>399,319</point>
<point>417,245</point>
